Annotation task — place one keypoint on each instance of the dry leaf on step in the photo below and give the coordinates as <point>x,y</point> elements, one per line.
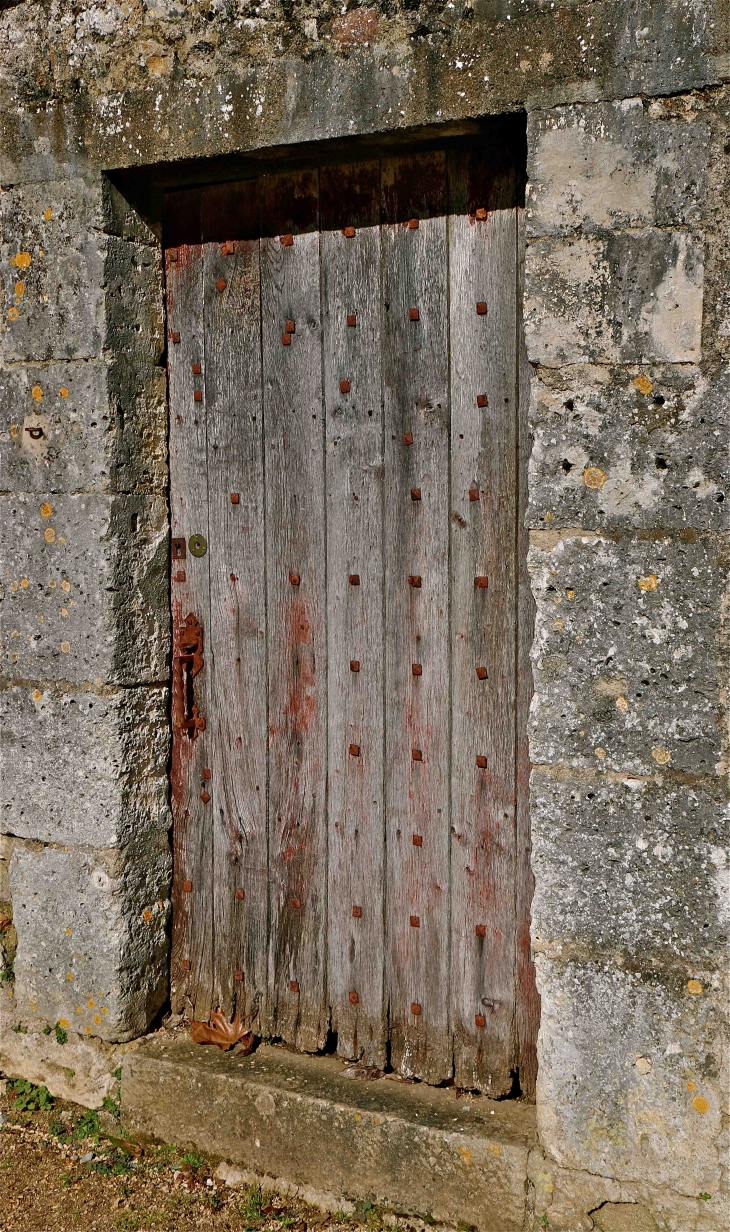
<point>223,1033</point>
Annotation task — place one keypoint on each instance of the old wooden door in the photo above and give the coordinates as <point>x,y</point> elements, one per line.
<point>350,628</point>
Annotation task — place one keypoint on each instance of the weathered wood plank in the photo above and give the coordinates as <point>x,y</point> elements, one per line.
<point>296,604</point>
<point>417,690</point>
<point>528,998</point>
<point>483,281</point>
<point>350,198</point>
<point>236,641</point>
<point>192,944</point>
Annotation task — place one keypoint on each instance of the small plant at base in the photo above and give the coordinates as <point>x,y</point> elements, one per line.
<point>61,1034</point>
<point>29,1098</point>
<point>118,1074</point>
<point>252,1205</point>
<point>47,1029</point>
<point>192,1160</point>
<point>705,1197</point>
<point>7,974</point>
<point>544,1221</point>
<point>110,1105</point>
<point>88,1126</point>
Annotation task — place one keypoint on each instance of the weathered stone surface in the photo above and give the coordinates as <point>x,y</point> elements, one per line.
<point>85,586</point>
<point>630,297</point>
<point>85,768</point>
<point>81,1070</point>
<point>92,935</point>
<point>632,866</point>
<point>657,435</point>
<point>413,1148</point>
<point>612,166</point>
<point>632,1080</point>
<point>626,651</point>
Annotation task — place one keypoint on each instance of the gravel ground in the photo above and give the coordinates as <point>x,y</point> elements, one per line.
<point>65,1169</point>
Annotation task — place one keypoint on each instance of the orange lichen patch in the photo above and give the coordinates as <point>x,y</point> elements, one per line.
<point>69,975</point>
<point>36,393</point>
<point>65,585</point>
<point>49,535</point>
<point>594,478</point>
<point>48,214</point>
<point>15,431</point>
<point>700,1104</point>
<point>46,509</point>
<point>97,1018</point>
<point>19,289</point>
<point>21,260</point>
<point>91,1003</point>
<point>600,754</point>
<point>63,1022</point>
<point>147,915</point>
<point>14,586</point>
<point>643,384</point>
<point>650,582</point>
<point>691,1086</point>
<point>12,314</point>
<point>661,756</point>
<point>622,704</point>
<point>696,987</point>
<point>65,647</point>
<point>24,583</point>
<point>63,391</point>
<point>37,695</point>
<point>558,626</point>
<point>570,594</point>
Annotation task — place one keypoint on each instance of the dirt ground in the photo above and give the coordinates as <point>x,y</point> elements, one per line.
<point>65,1169</point>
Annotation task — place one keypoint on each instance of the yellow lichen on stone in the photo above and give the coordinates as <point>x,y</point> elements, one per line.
<point>650,582</point>
<point>696,987</point>
<point>643,384</point>
<point>700,1104</point>
<point>63,391</point>
<point>12,314</point>
<point>65,647</point>
<point>37,695</point>
<point>600,754</point>
<point>622,704</point>
<point>21,260</point>
<point>594,478</point>
<point>661,756</point>
<point>558,626</point>
<point>19,289</point>
<point>36,393</point>
<point>49,535</point>
<point>46,509</point>
<point>48,214</point>
<point>691,1086</point>
<point>66,585</point>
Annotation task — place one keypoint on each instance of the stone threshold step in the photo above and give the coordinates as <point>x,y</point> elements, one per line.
<point>407,1147</point>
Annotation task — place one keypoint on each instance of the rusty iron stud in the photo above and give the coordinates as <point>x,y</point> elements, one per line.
<point>296,903</point>
<point>480,930</point>
<point>233,577</point>
<point>348,232</point>
<point>479,1020</point>
<point>354,750</point>
<point>354,579</point>
<point>185,964</point>
<point>416,669</point>
<point>416,755</point>
<point>294,985</point>
<point>415,1009</point>
<point>414,314</point>
<point>205,797</point>
<point>197,369</point>
<point>174,335</point>
<point>238,975</point>
<point>290,327</point>
<point>414,580</point>
<point>481,761</point>
<point>172,254</point>
<point>415,921</point>
<point>345,387</point>
<point>179,549</point>
<point>415,494</point>
<point>354,998</point>
<point>207,774</point>
<point>221,284</point>
<point>227,249</point>
<point>481,214</point>
<point>481,582</point>
<point>482,400</point>
<point>197,395</point>
<point>473,494</point>
<point>180,576</point>
<point>286,241</point>
<point>481,673</point>
<point>354,665</point>
<point>295,579</point>
<point>187,886</point>
<point>352,318</point>
<point>412,224</point>
<point>417,840</point>
<point>481,308</point>
<point>286,339</point>
<point>407,438</point>
<point>357,913</point>
<point>235,498</point>
<point>240,895</point>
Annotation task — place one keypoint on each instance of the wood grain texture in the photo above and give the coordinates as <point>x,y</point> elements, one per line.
<point>351,285</point>
<point>415,384</point>
<point>297,631</point>
<point>527,996</point>
<point>192,978</point>
<point>237,635</point>
<point>483,635</point>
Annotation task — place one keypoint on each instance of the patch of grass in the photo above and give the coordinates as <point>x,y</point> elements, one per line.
<point>61,1034</point>
<point>251,1206</point>
<point>118,1074</point>
<point>29,1098</point>
<point>88,1126</point>
<point>193,1161</point>
<point>366,1213</point>
<point>110,1105</point>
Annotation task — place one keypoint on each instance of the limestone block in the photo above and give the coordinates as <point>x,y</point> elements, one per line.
<point>92,936</point>
<point>629,297</point>
<point>613,165</point>
<point>629,446</point>
<point>626,651</point>
<point>85,768</point>
<point>81,1070</point>
<point>85,582</point>
<point>632,1077</point>
<point>52,261</point>
<point>630,865</point>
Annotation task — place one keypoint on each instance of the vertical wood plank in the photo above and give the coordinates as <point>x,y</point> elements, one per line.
<point>192,943</point>
<point>236,642</point>
<point>296,605</point>
<point>416,407</point>
<point>528,998</point>
<point>482,260</point>
<point>350,198</point>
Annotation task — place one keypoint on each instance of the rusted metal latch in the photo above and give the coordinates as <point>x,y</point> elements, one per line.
<point>187,663</point>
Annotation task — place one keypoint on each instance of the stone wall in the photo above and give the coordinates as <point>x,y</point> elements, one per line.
<point>627,320</point>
